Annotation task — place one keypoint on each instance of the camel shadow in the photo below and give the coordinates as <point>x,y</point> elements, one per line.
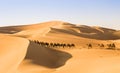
<point>47,57</point>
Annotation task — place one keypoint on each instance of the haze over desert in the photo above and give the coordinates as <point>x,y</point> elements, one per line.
<point>59,47</point>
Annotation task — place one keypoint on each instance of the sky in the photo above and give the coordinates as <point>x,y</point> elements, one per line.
<point>105,13</point>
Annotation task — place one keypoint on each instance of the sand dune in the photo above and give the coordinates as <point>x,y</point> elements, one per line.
<point>92,61</point>
<point>46,56</point>
<point>63,27</point>
<point>20,54</point>
<point>11,54</point>
<point>43,58</point>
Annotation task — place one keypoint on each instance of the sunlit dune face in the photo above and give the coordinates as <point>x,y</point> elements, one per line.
<point>59,47</point>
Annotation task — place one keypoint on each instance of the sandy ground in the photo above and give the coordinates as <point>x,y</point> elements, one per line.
<point>92,61</point>
<point>11,54</point>
<point>20,54</point>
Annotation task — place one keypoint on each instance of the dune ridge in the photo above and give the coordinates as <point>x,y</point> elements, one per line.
<point>20,54</point>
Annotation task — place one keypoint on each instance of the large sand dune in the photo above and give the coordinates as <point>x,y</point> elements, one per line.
<point>19,53</point>
<point>11,53</point>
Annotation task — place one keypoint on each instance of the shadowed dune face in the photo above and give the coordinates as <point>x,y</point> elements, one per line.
<point>88,32</point>
<point>9,30</point>
<point>117,33</point>
<point>47,57</point>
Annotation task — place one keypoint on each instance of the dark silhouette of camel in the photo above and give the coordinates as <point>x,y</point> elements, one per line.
<point>111,46</point>
<point>101,45</point>
<point>89,46</point>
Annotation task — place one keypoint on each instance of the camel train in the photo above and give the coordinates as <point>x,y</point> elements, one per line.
<point>68,45</point>
<point>57,45</point>
<point>109,46</point>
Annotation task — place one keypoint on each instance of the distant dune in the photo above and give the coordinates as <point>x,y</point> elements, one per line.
<point>46,48</point>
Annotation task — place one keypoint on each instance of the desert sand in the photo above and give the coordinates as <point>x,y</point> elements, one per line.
<point>32,48</point>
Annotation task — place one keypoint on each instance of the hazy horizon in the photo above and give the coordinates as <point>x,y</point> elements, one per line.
<point>103,13</point>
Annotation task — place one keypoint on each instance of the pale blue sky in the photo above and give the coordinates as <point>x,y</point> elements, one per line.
<point>104,13</point>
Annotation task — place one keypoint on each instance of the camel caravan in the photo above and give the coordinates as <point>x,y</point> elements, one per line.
<point>109,46</point>
<point>56,45</point>
<point>68,45</point>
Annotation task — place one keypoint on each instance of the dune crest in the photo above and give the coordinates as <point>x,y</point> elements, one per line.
<point>21,51</point>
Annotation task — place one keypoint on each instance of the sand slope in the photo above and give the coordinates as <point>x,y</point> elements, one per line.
<point>44,58</point>
<point>92,61</point>
<point>11,54</point>
<point>19,54</point>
